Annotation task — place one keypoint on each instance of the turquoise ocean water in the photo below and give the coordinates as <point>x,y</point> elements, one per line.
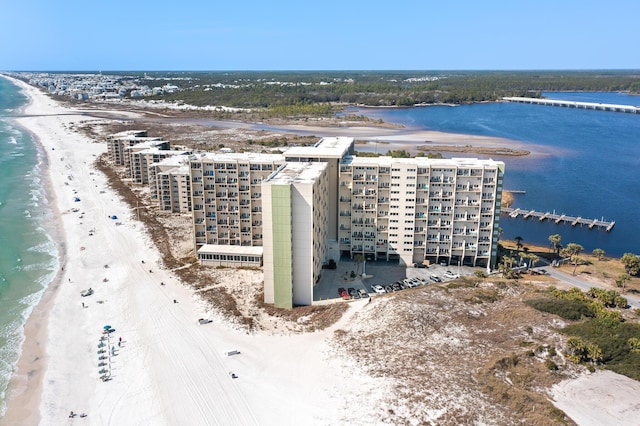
<point>28,254</point>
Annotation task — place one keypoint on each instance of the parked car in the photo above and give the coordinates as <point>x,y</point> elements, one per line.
<point>388,289</point>
<point>353,293</point>
<point>450,275</point>
<point>362,292</point>
<point>443,262</point>
<point>345,295</point>
<point>419,265</point>
<point>435,278</point>
<point>341,290</point>
<point>378,289</point>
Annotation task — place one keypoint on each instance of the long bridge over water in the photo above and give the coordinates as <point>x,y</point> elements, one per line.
<point>559,218</point>
<point>574,104</point>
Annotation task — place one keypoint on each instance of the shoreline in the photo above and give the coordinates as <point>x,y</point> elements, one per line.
<point>170,369</point>
<point>25,386</point>
<point>167,369</point>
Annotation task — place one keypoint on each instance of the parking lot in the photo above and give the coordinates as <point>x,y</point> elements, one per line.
<point>380,273</point>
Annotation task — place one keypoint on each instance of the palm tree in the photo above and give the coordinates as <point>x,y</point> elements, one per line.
<point>555,242</point>
<point>574,249</point>
<point>622,279</point>
<point>518,242</point>
<point>598,253</point>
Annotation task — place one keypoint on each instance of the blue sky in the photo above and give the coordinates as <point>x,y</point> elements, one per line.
<point>329,35</point>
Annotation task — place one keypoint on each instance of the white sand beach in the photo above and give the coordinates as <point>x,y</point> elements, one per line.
<point>167,369</point>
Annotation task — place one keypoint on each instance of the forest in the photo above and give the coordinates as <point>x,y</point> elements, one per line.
<point>323,92</point>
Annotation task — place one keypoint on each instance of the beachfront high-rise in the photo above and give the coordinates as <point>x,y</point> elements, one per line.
<point>419,210</point>
<point>226,199</point>
<point>293,212</point>
<point>296,211</point>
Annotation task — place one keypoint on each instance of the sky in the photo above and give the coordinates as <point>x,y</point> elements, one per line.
<point>74,35</point>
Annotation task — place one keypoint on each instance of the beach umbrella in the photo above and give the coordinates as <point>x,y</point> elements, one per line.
<point>107,327</point>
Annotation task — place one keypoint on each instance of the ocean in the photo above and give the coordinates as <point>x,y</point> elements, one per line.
<point>591,169</point>
<point>591,165</point>
<point>28,253</point>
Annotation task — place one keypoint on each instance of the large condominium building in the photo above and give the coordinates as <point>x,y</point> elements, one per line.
<point>226,198</point>
<point>312,204</point>
<point>418,209</point>
<point>116,144</point>
<point>170,184</point>
<point>294,211</point>
<point>141,158</point>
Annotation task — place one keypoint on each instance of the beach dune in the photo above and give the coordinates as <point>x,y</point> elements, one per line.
<point>163,366</point>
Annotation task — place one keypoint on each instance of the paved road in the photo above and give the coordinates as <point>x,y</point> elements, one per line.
<point>633,301</point>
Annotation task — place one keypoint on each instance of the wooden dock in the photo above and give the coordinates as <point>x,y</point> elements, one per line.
<point>559,218</point>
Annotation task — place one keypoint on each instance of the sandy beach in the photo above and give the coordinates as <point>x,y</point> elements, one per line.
<point>163,366</point>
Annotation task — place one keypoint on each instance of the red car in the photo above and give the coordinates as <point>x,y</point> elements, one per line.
<point>343,293</point>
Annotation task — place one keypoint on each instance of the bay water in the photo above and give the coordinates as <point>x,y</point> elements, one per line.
<point>589,164</point>
<point>28,253</point>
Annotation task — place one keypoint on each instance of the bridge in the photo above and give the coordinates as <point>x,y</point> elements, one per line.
<point>559,218</point>
<point>573,104</point>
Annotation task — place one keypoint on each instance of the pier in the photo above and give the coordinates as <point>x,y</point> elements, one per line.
<point>559,218</point>
<point>573,104</point>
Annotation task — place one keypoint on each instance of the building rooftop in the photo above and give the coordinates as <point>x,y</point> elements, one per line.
<point>244,157</point>
<point>297,173</point>
<point>333,147</point>
<point>427,162</point>
<point>174,160</point>
<point>156,150</point>
<point>146,144</point>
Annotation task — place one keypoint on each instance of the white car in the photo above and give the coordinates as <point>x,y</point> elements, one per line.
<point>378,289</point>
<point>451,275</point>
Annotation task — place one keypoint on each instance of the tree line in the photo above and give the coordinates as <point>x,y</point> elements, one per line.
<point>376,88</point>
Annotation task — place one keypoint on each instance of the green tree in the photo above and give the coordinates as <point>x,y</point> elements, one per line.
<point>621,280</point>
<point>518,242</point>
<point>574,249</point>
<point>631,263</point>
<point>598,253</point>
<point>555,241</point>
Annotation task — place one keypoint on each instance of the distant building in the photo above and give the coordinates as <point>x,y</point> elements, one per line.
<point>169,184</point>
<point>117,143</point>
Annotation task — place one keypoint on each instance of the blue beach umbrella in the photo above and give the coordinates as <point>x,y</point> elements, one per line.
<point>107,327</point>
